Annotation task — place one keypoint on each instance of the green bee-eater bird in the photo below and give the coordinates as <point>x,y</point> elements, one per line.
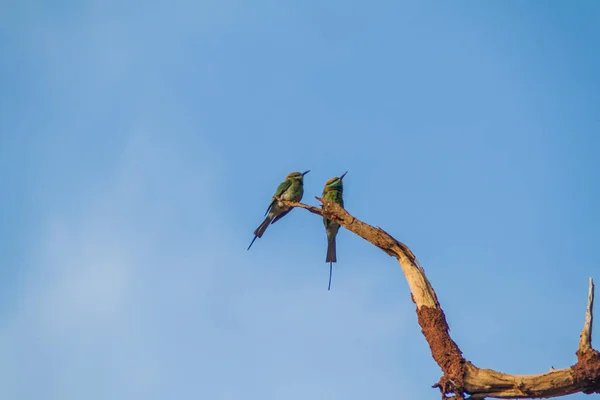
<point>334,191</point>
<point>291,189</point>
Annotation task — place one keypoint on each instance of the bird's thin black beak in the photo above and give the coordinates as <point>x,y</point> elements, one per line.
<point>343,175</point>
<point>305,172</point>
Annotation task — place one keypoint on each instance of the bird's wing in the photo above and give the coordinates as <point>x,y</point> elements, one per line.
<point>280,190</point>
<point>280,215</point>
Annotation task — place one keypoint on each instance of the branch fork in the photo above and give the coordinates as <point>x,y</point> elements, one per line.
<point>460,377</point>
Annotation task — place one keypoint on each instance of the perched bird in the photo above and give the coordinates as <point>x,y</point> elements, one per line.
<point>334,191</point>
<point>291,189</point>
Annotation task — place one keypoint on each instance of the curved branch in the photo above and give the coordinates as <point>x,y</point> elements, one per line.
<point>460,376</point>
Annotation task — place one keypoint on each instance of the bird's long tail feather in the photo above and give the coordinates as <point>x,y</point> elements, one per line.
<point>261,230</point>
<point>252,242</point>
<point>331,257</point>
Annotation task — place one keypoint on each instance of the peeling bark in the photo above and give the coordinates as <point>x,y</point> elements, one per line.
<point>586,373</point>
<point>443,349</point>
<point>460,377</point>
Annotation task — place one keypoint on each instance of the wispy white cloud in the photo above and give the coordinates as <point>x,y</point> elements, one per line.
<point>136,292</point>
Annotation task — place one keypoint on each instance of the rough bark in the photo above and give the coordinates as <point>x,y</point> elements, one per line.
<point>460,377</point>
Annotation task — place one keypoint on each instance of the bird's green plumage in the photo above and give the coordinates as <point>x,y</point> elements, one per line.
<point>280,190</point>
<point>333,191</point>
<point>291,189</point>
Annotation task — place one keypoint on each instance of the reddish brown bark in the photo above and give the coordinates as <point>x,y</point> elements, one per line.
<point>586,372</point>
<point>443,349</point>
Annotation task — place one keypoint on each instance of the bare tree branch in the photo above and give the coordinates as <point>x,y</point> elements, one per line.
<point>585,339</point>
<point>461,377</point>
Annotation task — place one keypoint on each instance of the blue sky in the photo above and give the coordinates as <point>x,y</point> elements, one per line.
<point>140,143</point>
